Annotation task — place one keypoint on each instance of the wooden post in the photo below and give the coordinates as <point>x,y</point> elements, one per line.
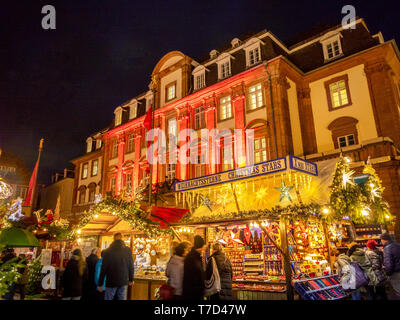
<point>328,245</point>
<point>286,259</point>
<point>176,233</point>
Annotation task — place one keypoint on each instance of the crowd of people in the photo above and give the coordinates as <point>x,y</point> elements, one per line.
<point>196,271</point>
<point>370,274</point>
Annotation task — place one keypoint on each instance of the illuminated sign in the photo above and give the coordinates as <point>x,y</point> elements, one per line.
<point>259,169</point>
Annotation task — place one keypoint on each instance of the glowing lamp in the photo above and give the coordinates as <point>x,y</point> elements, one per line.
<point>325,210</point>
<point>96,215</point>
<point>348,160</point>
<point>364,212</point>
<point>79,231</point>
<point>372,185</point>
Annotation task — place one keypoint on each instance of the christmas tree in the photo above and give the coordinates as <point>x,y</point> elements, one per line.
<point>35,277</point>
<point>372,190</point>
<point>346,197</point>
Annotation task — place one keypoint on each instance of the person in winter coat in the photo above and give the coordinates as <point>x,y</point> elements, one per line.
<point>346,277</point>
<point>175,267</point>
<point>225,273</point>
<point>74,275</point>
<point>100,295</point>
<point>117,266</point>
<point>391,261</point>
<point>90,289</point>
<point>375,255</point>
<point>357,254</point>
<point>193,272</point>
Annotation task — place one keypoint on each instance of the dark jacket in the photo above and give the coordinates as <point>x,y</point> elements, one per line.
<point>357,254</point>
<point>72,280</point>
<point>225,273</point>
<point>376,258</point>
<point>91,262</point>
<point>193,277</point>
<point>391,257</point>
<point>117,265</point>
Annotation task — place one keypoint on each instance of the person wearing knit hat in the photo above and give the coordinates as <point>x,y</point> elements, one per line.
<point>375,255</point>
<point>194,272</point>
<point>391,261</point>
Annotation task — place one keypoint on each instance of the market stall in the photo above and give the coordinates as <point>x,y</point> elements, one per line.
<point>151,246</point>
<point>277,219</point>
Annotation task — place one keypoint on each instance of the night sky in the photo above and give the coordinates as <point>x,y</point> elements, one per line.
<point>64,84</point>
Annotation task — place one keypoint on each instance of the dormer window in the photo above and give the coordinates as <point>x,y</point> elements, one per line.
<point>98,144</point>
<point>224,66</point>
<point>89,145</point>
<point>199,77</point>
<point>332,47</point>
<point>213,54</point>
<point>149,100</point>
<point>133,111</point>
<point>235,43</point>
<point>118,116</point>
<point>253,52</point>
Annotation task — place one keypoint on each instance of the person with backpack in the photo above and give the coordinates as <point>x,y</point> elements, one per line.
<point>391,261</point>
<point>357,254</point>
<point>375,255</point>
<point>224,268</point>
<point>347,275</point>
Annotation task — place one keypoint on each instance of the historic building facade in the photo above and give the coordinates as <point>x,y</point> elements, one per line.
<point>87,175</point>
<point>332,91</point>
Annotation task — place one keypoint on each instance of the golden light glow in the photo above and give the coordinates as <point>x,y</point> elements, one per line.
<point>79,231</point>
<point>325,210</point>
<point>364,212</point>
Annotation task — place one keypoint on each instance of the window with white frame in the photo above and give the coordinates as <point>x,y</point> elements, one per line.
<point>339,95</point>
<point>172,132</point>
<point>199,118</point>
<point>131,143</point>
<point>118,117</point>
<point>170,91</point>
<point>255,97</point>
<point>85,170</point>
<point>133,111</point>
<point>254,56</point>
<point>200,81</point>
<point>260,150</point>
<point>332,46</point>
<point>89,145</point>
<point>225,69</point>
<point>225,107</point>
<point>170,172</point>
<point>95,164</point>
<point>346,141</point>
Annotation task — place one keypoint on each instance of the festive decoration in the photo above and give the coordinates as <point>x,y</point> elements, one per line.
<point>35,277</point>
<point>127,210</point>
<point>206,201</point>
<point>372,190</point>
<point>15,211</point>
<point>284,191</point>
<point>346,198</point>
<point>5,190</point>
<point>8,274</point>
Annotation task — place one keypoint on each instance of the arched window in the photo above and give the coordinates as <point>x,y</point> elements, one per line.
<point>81,194</point>
<point>257,143</point>
<point>92,191</point>
<point>344,132</point>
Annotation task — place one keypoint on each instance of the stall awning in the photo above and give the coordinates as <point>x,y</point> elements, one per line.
<point>18,238</point>
<point>167,216</point>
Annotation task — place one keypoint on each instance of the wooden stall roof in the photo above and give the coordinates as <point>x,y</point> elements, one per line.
<point>106,224</point>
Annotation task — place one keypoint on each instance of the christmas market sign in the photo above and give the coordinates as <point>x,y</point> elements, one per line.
<point>259,169</point>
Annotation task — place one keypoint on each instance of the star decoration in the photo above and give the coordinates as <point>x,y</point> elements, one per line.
<point>374,193</point>
<point>206,201</point>
<point>347,178</point>
<point>285,191</point>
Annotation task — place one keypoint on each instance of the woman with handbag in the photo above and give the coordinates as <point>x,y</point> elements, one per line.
<point>219,269</point>
<point>375,255</point>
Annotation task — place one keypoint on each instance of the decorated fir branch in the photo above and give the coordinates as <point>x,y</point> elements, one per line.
<point>126,210</point>
<point>294,211</point>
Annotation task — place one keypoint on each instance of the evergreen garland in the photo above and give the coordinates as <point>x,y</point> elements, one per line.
<point>127,210</point>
